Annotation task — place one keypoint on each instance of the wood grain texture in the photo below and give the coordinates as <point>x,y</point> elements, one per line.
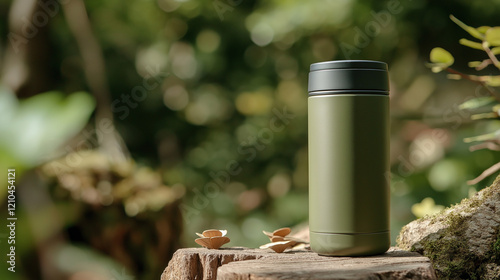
<point>255,264</point>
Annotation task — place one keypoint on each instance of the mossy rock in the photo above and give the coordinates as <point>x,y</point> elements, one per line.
<point>462,241</point>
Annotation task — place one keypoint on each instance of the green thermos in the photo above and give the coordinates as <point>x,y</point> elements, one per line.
<point>348,116</point>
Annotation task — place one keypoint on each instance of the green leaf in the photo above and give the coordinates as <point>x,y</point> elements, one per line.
<point>476,102</point>
<point>471,44</point>
<point>471,30</point>
<point>42,123</point>
<point>493,81</point>
<point>493,36</point>
<point>426,207</point>
<point>440,59</point>
<point>483,137</point>
<point>483,29</point>
<point>495,50</point>
<point>484,116</point>
<point>440,55</point>
<point>474,64</point>
<point>454,77</point>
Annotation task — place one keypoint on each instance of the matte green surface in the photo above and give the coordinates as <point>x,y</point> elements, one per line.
<point>348,161</point>
<point>350,244</point>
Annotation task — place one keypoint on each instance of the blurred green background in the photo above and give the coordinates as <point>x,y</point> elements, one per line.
<point>199,108</point>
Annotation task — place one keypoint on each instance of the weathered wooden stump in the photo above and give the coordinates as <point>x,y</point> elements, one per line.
<point>242,264</point>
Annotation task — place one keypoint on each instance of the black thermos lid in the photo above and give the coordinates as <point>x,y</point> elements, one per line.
<point>365,76</point>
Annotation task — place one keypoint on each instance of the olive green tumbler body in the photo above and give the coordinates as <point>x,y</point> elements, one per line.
<point>348,116</point>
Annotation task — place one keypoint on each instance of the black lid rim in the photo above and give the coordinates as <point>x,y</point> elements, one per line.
<point>348,64</point>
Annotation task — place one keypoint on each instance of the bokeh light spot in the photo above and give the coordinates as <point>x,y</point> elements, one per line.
<point>208,41</point>
<point>254,103</point>
<point>262,34</point>
<point>278,185</point>
<point>176,98</point>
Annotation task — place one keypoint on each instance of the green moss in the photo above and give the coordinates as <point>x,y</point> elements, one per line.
<point>449,252</point>
<point>448,249</point>
<point>496,249</point>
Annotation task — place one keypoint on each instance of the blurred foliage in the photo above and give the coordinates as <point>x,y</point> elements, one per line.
<point>48,120</point>
<point>484,107</point>
<point>200,91</point>
<point>121,209</point>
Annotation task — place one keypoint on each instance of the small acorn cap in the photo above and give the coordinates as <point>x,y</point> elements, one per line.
<point>278,247</point>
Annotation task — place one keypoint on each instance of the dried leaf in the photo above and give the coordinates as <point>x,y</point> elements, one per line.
<point>278,247</point>
<point>217,241</point>
<point>214,232</point>
<point>301,246</point>
<point>205,242</point>
<point>277,238</point>
<point>212,238</point>
<point>296,240</point>
<point>282,231</point>
<point>268,234</point>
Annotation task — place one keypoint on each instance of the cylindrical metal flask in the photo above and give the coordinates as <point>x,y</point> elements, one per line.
<point>349,157</point>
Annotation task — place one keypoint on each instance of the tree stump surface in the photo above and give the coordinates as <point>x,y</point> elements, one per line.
<point>256,264</point>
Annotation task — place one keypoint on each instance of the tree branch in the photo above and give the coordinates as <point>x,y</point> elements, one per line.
<point>494,168</point>
<point>15,70</point>
<point>491,55</point>
<point>475,79</point>
<point>95,73</point>
<point>486,145</point>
